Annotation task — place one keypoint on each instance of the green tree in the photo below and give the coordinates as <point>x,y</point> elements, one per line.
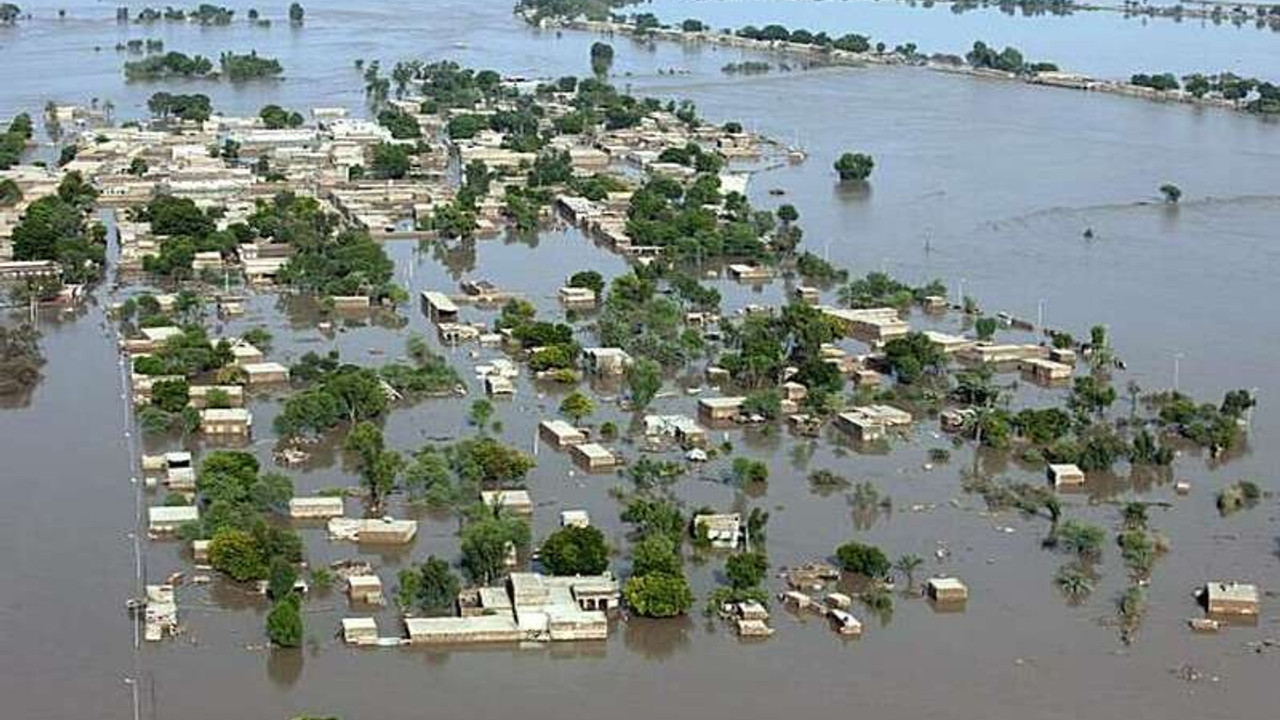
<point>644,380</point>
<point>296,14</point>
<point>589,279</point>
<point>907,565</point>
<point>379,466</point>
<point>170,395</point>
<point>284,622</point>
<point>854,166</point>
<point>746,570</point>
<point>985,328</point>
<point>1172,193</point>
<point>866,560</point>
<point>577,406</point>
<point>655,553</point>
<point>658,595</point>
<point>236,553</point>
<point>480,413</point>
<point>430,588</point>
<point>1083,539</point>
<point>575,550</point>
<point>486,542</point>
<point>280,578</point>
<point>601,58</point>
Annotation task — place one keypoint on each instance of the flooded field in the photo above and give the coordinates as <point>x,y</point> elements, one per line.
<point>989,186</point>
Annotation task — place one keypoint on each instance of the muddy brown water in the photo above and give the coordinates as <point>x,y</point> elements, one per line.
<point>1001,179</point>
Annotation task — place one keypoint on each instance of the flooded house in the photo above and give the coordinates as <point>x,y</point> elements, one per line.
<point>226,421</point>
<point>683,429</point>
<point>199,395</point>
<point>314,508</point>
<point>874,326</point>
<point>577,296</point>
<point>374,531</point>
<point>1065,475</point>
<point>720,409</point>
<point>749,273</point>
<point>575,518</point>
<point>1231,598</point>
<point>246,354</point>
<point>166,519</point>
<point>948,343</point>
<point>1046,372</point>
<point>594,457</point>
<point>439,307</point>
<point>265,373</point>
<point>1001,353</point>
<point>561,434</point>
<point>365,590</point>
<point>722,530</point>
<point>360,631</point>
<point>872,422</point>
<point>606,360</point>
<point>946,590</point>
<point>515,501</point>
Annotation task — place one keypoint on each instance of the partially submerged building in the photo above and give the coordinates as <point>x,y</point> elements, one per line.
<point>594,457</point>
<point>1231,598</point>
<point>319,507</point>
<point>723,530</point>
<point>166,519</point>
<point>871,422</point>
<point>236,422</point>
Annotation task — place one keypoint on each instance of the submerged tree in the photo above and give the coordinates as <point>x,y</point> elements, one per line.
<point>854,166</point>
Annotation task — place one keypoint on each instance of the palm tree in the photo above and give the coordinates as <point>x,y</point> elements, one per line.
<point>907,565</point>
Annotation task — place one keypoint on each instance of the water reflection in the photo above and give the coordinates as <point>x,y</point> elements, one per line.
<point>284,666</point>
<point>657,639</point>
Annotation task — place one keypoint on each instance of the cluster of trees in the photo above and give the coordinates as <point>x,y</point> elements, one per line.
<point>56,228</point>
<point>9,13</point>
<point>250,66</point>
<point>278,118</point>
<point>657,586</point>
<point>203,14</point>
<point>334,393</point>
<point>850,42</point>
<point>645,323</point>
<point>489,537</point>
<point>1008,60</point>
<point>1234,87</point>
<point>552,344</point>
<point>878,289</point>
<point>185,230</point>
<point>195,107</point>
<point>854,166</point>
<point>402,125</point>
<point>326,261</point>
<point>14,141</point>
<point>762,346</point>
<point>1162,81</point>
<point>453,475</point>
<point>575,550</point>
<point>429,588</point>
<point>169,65</point>
<point>236,499</point>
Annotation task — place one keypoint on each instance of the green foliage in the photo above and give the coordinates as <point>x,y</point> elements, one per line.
<point>237,553</point>
<point>390,161</point>
<point>486,542</point>
<point>284,622</point>
<point>281,577</point>
<point>589,279</point>
<point>486,462</point>
<point>746,570</point>
<point>644,380</point>
<point>747,471</point>
<point>1237,496</point>
<point>167,66</point>
<point>250,66</point>
<point>912,356</point>
<point>378,466</point>
<point>191,108</point>
<point>577,406</point>
<point>278,118</point>
<point>854,166</point>
<point>347,263</point>
<point>575,550</point>
<point>348,393</point>
<point>656,554</point>
<point>658,595</point>
<point>53,228</point>
<point>867,560</point>
<point>430,588</point>
<point>655,517</point>
<point>1083,539</point>
<point>170,395</point>
<point>765,403</point>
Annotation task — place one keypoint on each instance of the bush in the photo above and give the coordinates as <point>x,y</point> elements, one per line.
<point>284,622</point>
<point>867,560</point>
<point>575,551</point>
<point>658,595</point>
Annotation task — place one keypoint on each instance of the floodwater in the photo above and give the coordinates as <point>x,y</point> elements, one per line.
<point>999,179</point>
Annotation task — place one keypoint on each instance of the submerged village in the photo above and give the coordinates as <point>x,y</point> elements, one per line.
<point>215,241</point>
